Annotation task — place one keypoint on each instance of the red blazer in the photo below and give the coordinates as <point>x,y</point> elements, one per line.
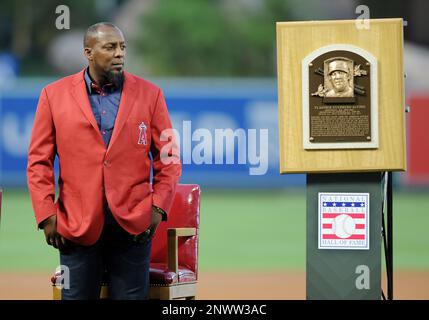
<point>90,173</point>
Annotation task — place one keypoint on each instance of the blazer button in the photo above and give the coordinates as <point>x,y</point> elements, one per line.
<point>106,163</point>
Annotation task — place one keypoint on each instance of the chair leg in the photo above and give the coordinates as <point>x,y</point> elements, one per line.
<point>56,293</point>
<point>164,294</point>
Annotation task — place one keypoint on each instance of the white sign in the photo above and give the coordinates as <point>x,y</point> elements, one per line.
<point>343,221</point>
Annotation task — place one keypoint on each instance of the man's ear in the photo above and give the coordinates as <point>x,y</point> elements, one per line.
<point>88,53</point>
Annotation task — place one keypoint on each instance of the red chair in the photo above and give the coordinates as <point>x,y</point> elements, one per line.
<point>174,260</point>
<point>174,257</point>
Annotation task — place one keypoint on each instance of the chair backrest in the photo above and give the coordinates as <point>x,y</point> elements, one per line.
<point>184,213</point>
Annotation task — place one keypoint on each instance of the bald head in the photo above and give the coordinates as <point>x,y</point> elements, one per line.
<point>96,30</point>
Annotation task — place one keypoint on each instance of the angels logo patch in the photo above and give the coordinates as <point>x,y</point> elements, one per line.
<point>142,134</point>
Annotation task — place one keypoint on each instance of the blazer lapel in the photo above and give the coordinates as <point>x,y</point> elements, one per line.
<point>80,94</point>
<point>128,98</point>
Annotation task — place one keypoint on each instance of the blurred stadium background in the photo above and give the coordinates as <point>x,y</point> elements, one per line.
<point>216,63</point>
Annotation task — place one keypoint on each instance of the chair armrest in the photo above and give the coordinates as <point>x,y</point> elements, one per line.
<point>181,232</point>
<point>173,235</point>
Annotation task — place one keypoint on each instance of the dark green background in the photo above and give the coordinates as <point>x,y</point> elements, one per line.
<point>331,273</point>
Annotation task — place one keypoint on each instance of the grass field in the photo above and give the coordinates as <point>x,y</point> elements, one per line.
<point>246,229</point>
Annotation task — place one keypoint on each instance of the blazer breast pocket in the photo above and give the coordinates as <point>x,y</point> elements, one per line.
<point>139,131</point>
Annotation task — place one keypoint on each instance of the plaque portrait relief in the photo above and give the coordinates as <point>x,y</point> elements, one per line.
<point>340,99</point>
<point>338,77</point>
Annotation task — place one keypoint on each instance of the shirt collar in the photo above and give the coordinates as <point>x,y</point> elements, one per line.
<point>93,87</point>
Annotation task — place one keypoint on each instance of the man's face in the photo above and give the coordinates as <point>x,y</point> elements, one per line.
<point>106,52</point>
<point>340,80</point>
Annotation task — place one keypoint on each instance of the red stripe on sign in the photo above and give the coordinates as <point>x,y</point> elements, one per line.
<point>352,237</point>
<point>353,215</point>
<point>327,226</point>
<point>359,226</point>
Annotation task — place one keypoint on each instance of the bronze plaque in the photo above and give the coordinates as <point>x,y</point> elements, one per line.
<point>339,98</point>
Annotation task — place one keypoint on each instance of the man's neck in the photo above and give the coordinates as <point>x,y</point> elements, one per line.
<point>96,78</point>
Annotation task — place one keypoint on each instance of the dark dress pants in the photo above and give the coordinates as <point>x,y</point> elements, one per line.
<point>115,258</point>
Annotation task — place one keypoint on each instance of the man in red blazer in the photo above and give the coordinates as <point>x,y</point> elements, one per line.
<point>108,129</point>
